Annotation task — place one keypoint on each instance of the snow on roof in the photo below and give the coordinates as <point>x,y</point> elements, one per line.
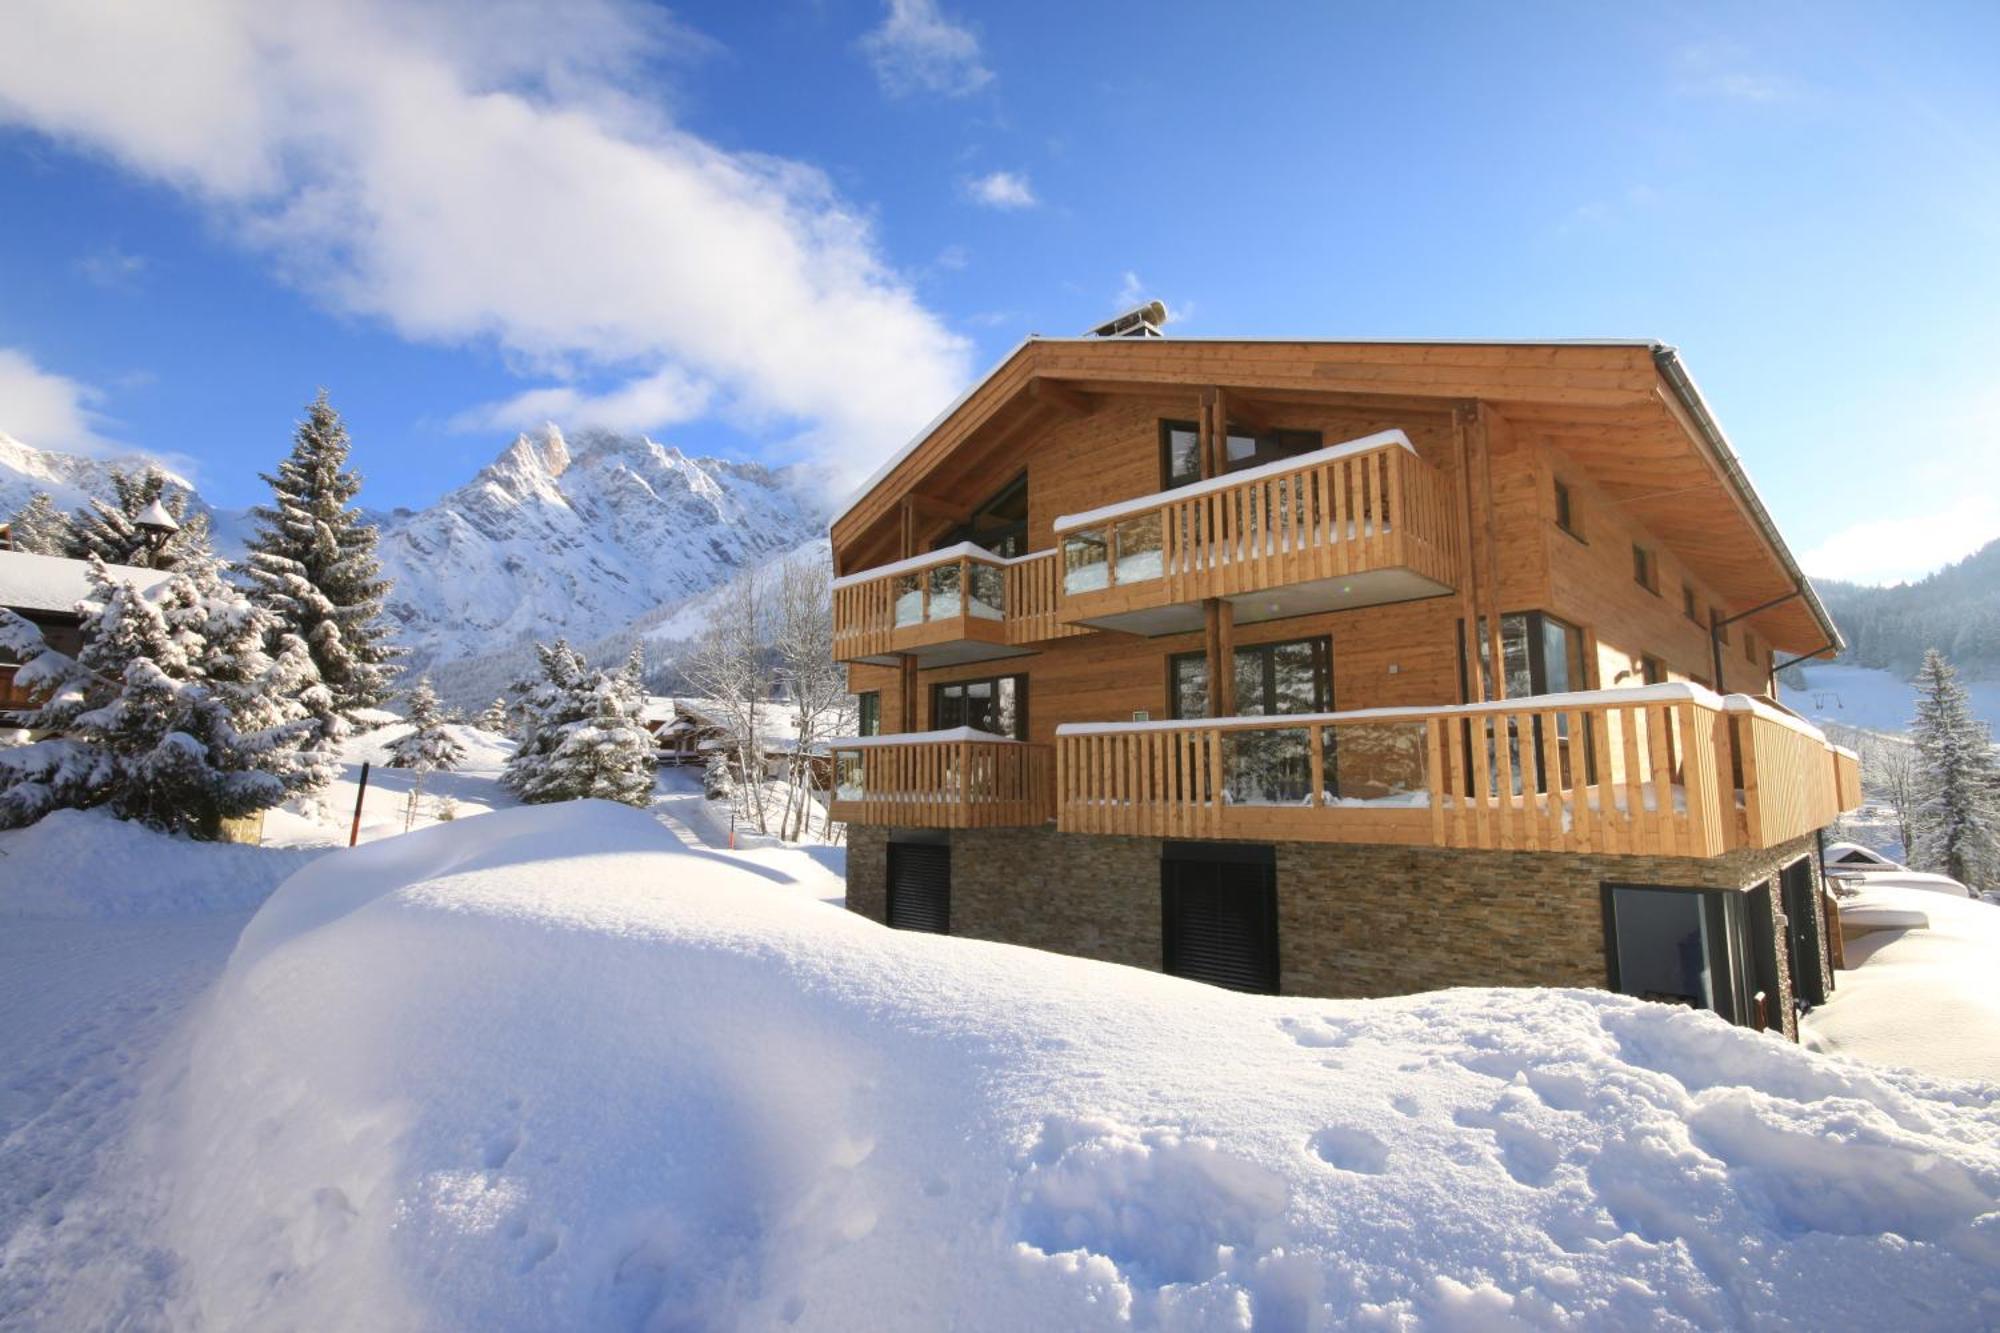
<point>155,515</point>
<point>920,1126</point>
<point>53,583</point>
<point>949,734</point>
<point>1770,712</point>
<point>1379,440</point>
<point>937,557</point>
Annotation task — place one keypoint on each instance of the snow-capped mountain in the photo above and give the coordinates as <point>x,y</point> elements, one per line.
<point>582,538</point>
<point>577,537</point>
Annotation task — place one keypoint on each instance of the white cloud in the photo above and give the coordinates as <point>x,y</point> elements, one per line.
<point>49,411</point>
<point>111,268</point>
<point>1002,189</point>
<point>463,171</point>
<point>917,50</point>
<point>644,404</point>
<point>1905,548</point>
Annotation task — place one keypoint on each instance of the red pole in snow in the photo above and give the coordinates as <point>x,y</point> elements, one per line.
<point>354,833</point>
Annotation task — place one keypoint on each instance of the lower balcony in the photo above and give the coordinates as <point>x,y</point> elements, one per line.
<point>1359,524</point>
<point>943,779</point>
<point>1668,770</point>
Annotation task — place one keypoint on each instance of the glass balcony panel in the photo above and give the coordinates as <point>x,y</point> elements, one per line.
<point>909,599</point>
<point>850,779</point>
<point>1268,767</point>
<point>1139,555</point>
<point>1086,561</point>
<point>946,599</point>
<point>989,592</point>
<point>1383,762</point>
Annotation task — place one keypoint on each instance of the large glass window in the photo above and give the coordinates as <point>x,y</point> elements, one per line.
<point>1180,449</point>
<point>1291,677</point>
<point>1000,524</point>
<point>869,706</point>
<point>998,705</point>
<point>1694,947</point>
<point>1540,655</point>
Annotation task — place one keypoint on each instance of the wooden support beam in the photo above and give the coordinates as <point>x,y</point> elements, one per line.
<point>1218,619</point>
<point>907,539</point>
<point>1068,401</point>
<point>1204,432</point>
<point>1468,574</point>
<point>1480,438</point>
<point>909,691</point>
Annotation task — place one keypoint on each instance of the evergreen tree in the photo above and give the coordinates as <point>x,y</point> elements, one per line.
<point>110,531</point>
<point>171,713</point>
<point>1955,825</point>
<point>581,736</point>
<point>39,527</point>
<point>429,746</point>
<point>313,567</point>
<point>495,719</point>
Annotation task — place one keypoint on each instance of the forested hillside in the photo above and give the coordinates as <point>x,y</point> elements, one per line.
<point>1956,610</point>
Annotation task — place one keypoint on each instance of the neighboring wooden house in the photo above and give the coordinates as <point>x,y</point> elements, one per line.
<point>690,730</point>
<point>47,591</point>
<point>1179,653</point>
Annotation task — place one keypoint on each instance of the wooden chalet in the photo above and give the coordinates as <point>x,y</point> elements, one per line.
<point>48,592</point>
<point>1340,668</point>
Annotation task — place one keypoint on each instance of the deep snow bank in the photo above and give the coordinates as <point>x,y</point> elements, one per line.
<point>87,863</point>
<point>549,1069</point>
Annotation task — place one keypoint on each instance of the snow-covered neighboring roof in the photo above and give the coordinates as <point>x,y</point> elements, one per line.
<point>53,583</point>
<point>1139,504</point>
<point>1853,856</point>
<point>155,515</point>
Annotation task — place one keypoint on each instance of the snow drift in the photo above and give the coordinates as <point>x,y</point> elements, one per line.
<point>132,871</point>
<point>551,1068</point>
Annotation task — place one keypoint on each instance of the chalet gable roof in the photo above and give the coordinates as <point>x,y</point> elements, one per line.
<point>53,585</point>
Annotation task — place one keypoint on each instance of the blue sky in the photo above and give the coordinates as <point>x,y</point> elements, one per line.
<point>797,229</point>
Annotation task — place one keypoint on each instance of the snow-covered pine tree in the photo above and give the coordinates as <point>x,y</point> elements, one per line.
<point>109,529</point>
<point>39,528</point>
<point>495,719</point>
<point>313,566</point>
<point>1956,828</point>
<point>581,735</point>
<point>428,746</point>
<point>172,712</point>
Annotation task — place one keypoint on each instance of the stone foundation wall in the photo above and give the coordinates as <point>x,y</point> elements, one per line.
<point>1354,921</point>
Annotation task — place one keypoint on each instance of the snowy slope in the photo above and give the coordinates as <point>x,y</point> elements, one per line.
<point>552,1068</point>
<point>1874,699</point>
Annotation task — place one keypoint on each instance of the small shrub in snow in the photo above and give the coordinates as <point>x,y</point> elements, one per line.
<point>428,746</point>
<point>581,737</point>
<point>172,713</point>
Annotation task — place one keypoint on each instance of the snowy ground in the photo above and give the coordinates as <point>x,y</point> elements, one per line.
<point>1918,991</point>
<point>1874,700</point>
<point>557,1067</point>
<point>474,786</point>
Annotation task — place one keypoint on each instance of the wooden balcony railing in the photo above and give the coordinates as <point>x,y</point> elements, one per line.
<point>1789,776</point>
<point>1630,772</point>
<point>943,779</point>
<point>1369,505</point>
<point>960,595</point>
<point>1847,778</point>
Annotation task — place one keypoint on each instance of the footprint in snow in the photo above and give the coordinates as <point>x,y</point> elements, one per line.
<point>1348,1149</point>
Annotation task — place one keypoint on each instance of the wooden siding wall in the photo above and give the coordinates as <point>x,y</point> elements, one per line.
<point>1591,584</point>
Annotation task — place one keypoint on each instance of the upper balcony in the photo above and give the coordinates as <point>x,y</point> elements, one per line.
<point>1357,524</point>
<point>960,604</point>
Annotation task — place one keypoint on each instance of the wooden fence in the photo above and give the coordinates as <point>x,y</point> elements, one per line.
<point>945,783</point>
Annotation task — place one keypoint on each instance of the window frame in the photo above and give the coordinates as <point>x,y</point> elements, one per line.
<point>1646,568</point>
<point>1690,604</point>
<point>1565,505</point>
<point>1020,680</point>
<point>868,713</point>
<point>1321,644</point>
<point>1015,530</point>
<point>1260,440</point>
<point>1652,670</point>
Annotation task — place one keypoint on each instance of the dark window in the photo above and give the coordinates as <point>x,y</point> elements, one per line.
<point>1271,678</point>
<point>1219,915</point>
<point>1697,947</point>
<point>1688,608</point>
<point>998,704</point>
<point>920,886</point>
<point>1644,572</point>
<point>1652,670</point>
<point>1805,947</point>
<point>871,712</point>
<point>1749,646</point>
<point>1859,858</point>
<point>1566,518</point>
<point>1000,524</point>
<point>1180,450</point>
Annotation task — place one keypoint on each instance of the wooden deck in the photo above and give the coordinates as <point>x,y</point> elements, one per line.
<point>912,782</point>
<point>1620,772</point>
<point>1356,530</point>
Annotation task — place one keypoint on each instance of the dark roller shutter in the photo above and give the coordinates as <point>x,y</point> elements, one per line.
<point>920,887</point>
<point>1219,914</point>
<point>1807,952</point>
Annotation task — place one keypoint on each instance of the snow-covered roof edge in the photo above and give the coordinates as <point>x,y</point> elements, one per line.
<point>938,557</point>
<point>56,584</point>
<point>918,738</point>
<point>1747,703</point>
<point>1139,504</point>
